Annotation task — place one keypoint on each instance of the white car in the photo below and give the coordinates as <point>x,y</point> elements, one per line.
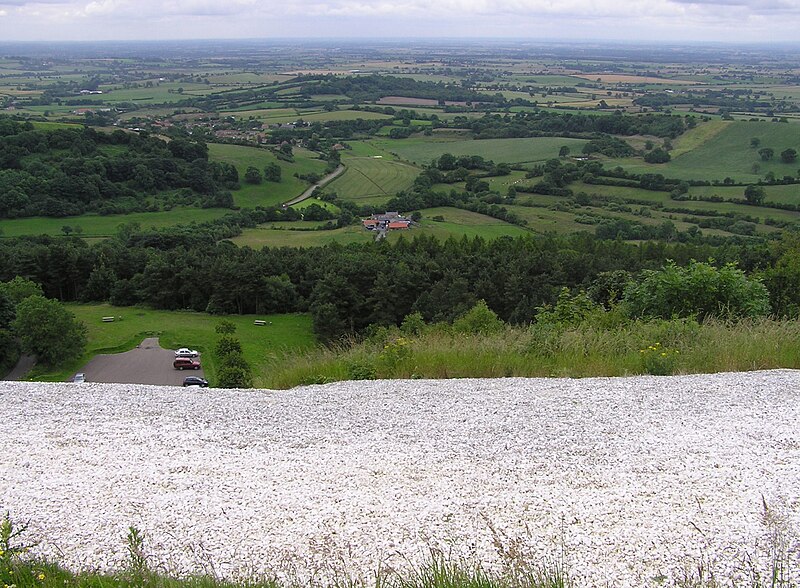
<point>79,378</point>
<point>186,352</point>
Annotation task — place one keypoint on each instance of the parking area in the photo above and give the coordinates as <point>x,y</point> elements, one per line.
<point>149,363</point>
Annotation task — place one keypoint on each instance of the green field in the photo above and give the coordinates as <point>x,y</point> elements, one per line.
<point>267,193</point>
<point>460,223</point>
<point>424,149</point>
<point>187,329</point>
<point>370,180</point>
<point>264,236</point>
<point>162,93</point>
<point>95,225</point>
<point>784,194</point>
<point>727,153</point>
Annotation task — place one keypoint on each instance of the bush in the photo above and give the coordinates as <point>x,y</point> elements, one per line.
<point>225,327</point>
<point>226,346</point>
<point>235,377</point>
<point>657,155</point>
<point>696,290</point>
<point>480,319</point>
<point>658,360</point>
<point>568,311</point>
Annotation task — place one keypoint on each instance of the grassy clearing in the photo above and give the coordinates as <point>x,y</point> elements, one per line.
<point>575,352</point>
<point>267,193</point>
<point>424,149</point>
<point>264,236</point>
<point>99,226</point>
<point>785,194</point>
<point>370,179</point>
<point>460,223</point>
<point>186,329</point>
<point>162,93</point>
<point>701,134</point>
<point>726,153</point>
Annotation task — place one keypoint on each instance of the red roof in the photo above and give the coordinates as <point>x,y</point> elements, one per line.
<point>398,225</point>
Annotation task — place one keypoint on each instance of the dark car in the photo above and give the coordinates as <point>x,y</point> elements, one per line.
<point>195,381</point>
<point>185,363</point>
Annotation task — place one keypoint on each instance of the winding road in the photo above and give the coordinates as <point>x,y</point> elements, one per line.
<point>322,183</point>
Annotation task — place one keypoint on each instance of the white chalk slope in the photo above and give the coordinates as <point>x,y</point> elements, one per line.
<point>628,478</point>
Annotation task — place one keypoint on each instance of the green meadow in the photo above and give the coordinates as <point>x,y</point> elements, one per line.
<point>459,223</point>
<point>726,153</point>
<point>267,193</point>
<point>424,149</point>
<point>95,225</point>
<point>287,332</point>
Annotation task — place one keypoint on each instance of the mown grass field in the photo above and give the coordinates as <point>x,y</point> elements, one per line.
<point>264,236</point>
<point>161,93</point>
<point>371,180</point>
<point>421,150</point>
<point>288,332</point>
<point>460,223</point>
<point>726,153</point>
<point>267,193</point>
<point>94,225</point>
<point>785,194</point>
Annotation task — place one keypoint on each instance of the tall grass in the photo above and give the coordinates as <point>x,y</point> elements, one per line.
<point>620,348</point>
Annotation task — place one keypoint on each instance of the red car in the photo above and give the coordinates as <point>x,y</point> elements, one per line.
<point>186,363</point>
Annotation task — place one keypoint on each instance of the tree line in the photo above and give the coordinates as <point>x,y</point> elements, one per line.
<point>349,287</point>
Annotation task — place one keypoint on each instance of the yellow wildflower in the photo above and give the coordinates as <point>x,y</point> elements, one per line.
<point>40,576</point>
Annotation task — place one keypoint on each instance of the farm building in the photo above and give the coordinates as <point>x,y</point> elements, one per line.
<point>388,220</point>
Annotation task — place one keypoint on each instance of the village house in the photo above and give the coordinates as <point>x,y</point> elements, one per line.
<point>388,220</point>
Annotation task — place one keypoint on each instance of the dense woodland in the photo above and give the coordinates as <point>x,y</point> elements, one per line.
<point>347,288</point>
<point>67,172</point>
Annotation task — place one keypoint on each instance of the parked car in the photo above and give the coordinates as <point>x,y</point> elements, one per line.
<point>195,381</point>
<point>79,378</point>
<point>186,363</point>
<point>186,352</point>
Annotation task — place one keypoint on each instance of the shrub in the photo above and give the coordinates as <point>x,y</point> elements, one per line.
<point>657,155</point>
<point>658,360</point>
<point>226,346</point>
<point>235,377</point>
<point>361,370</point>
<point>480,319</point>
<point>568,311</point>
<point>699,290</point>
<point>413,324</point>
<point>225,327</point>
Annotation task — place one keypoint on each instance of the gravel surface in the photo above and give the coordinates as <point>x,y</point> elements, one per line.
<point>627,479</point>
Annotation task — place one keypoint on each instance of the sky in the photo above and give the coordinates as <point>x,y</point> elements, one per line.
<point>752,21</point>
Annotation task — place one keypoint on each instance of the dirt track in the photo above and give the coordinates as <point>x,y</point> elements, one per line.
<point>149,363</point>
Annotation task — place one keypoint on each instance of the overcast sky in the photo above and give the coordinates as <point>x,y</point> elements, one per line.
<point>638,20</point>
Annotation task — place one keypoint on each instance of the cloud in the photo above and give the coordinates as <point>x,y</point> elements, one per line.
<point>631,19</point>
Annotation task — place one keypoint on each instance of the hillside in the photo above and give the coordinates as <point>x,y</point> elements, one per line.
<point>627,479</point>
